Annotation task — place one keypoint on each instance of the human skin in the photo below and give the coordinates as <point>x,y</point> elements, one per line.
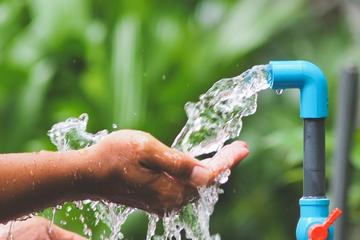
<point>36,228</point>
<point>127,167</point>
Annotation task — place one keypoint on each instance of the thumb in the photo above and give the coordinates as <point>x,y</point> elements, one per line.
<point>227,158</point>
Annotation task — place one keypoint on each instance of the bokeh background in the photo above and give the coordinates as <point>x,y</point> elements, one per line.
<point>136,63</point>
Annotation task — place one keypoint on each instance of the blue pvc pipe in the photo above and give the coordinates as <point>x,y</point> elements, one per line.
<point>309,79</point>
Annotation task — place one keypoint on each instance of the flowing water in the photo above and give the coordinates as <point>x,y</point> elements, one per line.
<point>216,117</point>
<point>215,120</point>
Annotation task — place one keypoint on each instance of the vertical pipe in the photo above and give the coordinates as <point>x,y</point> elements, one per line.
<point>345,120</point>
<point>314,157</point>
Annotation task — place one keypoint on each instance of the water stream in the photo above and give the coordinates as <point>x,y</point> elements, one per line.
<point>216,119</point>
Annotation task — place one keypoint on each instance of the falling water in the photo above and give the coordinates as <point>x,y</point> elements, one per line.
<point>71,135</point>
<point>216,119</point>
<point>213,121</point>
<point>10,235</point>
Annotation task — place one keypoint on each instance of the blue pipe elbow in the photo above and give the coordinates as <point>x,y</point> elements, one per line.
<point>309,79</point>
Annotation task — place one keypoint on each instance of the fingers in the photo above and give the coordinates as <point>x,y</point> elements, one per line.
<point>227,158</point>
<point>38,228</point>
<point>171,194</point>
<point>58,233</point>
<point>192,171</point>
<point>174,163</point>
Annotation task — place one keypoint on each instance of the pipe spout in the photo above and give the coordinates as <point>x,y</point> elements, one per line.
<point>309,79</point>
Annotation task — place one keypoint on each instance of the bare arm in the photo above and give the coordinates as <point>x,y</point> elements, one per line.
<point>36,228</point>
<point>128,167</point>
<point>33,181</point>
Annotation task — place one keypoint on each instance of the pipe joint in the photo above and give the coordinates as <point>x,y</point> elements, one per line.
<point>309,79</point>
<point>312,211</point>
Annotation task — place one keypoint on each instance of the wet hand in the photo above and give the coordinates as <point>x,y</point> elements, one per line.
<point>37,228</point>
<point>135,169</point>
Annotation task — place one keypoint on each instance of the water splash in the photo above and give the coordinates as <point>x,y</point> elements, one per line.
<point>213,121</point>
<point>279,91</point>
<point>153,219</point>
<point>114,215</point>
<point>10,235</point>
<point>216,117</point>
<point>71,135</point>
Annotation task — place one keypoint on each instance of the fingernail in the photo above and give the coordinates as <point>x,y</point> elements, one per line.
<point>200,176</point>
<point>243,143</point>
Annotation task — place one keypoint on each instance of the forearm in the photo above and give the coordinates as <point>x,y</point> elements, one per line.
<point>33,181</point>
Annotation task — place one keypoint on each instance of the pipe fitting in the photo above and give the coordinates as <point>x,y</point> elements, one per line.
<point>309,79</point>
<point>312,211</point>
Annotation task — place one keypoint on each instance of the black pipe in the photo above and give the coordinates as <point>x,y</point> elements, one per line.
<point>345,123</point>
<point>314,157</point>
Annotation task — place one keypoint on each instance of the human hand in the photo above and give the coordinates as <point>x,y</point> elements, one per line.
<point>135,169</point>
<point>36,228</point>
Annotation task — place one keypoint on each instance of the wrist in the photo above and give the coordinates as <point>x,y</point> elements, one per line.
<point>76,171</point>
<point>93,171</point>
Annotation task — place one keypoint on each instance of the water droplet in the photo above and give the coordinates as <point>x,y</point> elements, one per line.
<point>224,177</point>
<point>52,220</point>
<point>79,205</point>
<point>87,231</point>
<point>10,234</point>
<point>84,117</point>
<point>63,222</point>
<point>279,91</point>
<point>82,218</point>
<point>68,208</point>
<point>153,219</point>
<point>114,126</point>
<point>163,77</point>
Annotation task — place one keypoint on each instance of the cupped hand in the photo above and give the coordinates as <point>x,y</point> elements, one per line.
<point>139,171</point>
<point>36,228</point>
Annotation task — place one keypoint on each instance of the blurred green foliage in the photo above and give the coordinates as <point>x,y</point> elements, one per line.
<point>136,63</point>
